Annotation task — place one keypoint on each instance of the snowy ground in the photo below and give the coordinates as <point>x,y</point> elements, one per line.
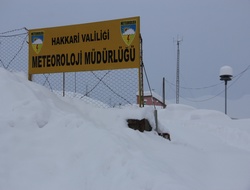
<point>53,143</point>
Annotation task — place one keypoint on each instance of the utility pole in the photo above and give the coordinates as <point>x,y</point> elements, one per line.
<point>226,74</point>
<point>163,93</point>
<point>178,71</point>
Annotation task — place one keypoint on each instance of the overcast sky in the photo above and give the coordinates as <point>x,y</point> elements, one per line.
<point>214,32</point>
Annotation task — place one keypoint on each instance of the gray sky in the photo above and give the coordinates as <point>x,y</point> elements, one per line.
<point>215,33</point>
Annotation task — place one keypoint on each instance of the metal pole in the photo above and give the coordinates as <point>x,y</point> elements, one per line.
<point>140,75</point>
<point>163,93</point>
<point>178,72</point>
<point>226,97</point>
<point>156,120</point>
<point>30,77</point>
<point>63,84</point>
<point>75,82</point>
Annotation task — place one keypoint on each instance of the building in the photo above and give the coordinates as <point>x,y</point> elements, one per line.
<point>154,99</point>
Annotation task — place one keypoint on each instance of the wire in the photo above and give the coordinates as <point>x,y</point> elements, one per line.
<point>24,40</point>
<point>118,95</point>
<point>210,86</point>
<point>149,85</point>
<point>236,77</point>
<point>99,80</point>
<point>13,35</point>
<point>203,100</point>
<point>194,88</point>
<point>15,30</point>
<point>242,72</point>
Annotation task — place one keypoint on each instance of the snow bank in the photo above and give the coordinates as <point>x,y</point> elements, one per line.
<point>49,142</point>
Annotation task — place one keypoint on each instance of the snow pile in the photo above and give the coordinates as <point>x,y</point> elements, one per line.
<point>49,142</point>
<point>236,108</point>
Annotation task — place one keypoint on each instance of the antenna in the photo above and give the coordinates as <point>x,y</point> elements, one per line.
<point>178,70</point>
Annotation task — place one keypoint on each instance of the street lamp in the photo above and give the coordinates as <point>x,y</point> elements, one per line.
<point>226,74</point>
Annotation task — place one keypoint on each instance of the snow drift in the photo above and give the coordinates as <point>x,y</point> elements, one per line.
<point>50,142</point>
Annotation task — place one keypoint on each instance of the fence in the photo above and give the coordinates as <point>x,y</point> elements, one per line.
<point>14,50</point>
<point>108,88</point>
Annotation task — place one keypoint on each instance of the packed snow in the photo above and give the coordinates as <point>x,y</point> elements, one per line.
<point>51,142</point>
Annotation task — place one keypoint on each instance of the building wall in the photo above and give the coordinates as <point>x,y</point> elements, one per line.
<point>148,101</point>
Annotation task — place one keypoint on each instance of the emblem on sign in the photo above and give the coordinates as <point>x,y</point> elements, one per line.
<point>37,41</point>
<point>128,31</point>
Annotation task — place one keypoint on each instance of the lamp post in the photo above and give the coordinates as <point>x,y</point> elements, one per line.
<point>226,74</point>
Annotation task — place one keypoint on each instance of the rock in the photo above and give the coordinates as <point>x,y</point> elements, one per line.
<point>141,125</point>
<point>165,135</point>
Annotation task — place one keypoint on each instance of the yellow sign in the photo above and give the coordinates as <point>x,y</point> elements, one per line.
<point>103,45</point>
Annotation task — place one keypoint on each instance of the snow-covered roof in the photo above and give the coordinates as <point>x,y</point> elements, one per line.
<point>154,94</point>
